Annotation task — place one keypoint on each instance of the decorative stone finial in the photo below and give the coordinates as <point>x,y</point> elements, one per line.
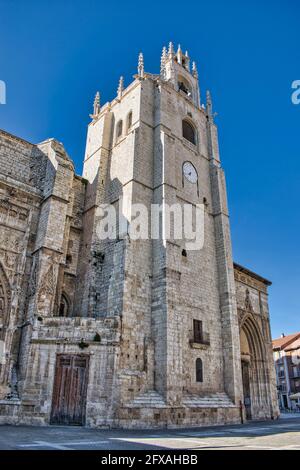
<point>194,70</point>
<point>120,87</point>
<point>163,63</point>
<point>209,106</point>
<point>179,54</point>
<point>141,65</point>
<point>187,60</point>
<point>96,106</point>
<point>171,49</point>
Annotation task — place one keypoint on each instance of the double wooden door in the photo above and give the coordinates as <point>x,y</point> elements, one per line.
<point>70,389</point>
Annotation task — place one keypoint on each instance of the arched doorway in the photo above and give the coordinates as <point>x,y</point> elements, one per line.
<point>253,365</point>
<point>246,361</point>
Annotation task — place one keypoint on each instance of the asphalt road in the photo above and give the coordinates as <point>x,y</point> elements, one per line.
<point>282,434</point>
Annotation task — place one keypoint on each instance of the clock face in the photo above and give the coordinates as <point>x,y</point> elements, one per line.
<point>190,172</point>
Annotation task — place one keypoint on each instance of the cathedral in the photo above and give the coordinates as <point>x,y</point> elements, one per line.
<point>124,332</point>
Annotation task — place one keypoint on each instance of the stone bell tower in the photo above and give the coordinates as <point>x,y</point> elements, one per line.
<point>189,140</point>
<point>151,295</point>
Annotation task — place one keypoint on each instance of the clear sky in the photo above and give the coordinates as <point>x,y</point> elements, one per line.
<point>55,54</point>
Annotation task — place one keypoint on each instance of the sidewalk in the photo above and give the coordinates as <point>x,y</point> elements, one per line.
<point>289,415</point>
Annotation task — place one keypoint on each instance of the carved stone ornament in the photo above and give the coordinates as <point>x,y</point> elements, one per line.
<point>46,292</point>
<point>248,304</point>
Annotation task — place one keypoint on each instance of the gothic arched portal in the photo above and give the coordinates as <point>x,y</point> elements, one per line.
<point>253,361</point>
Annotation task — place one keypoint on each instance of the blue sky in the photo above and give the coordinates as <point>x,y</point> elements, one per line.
<point>54,55</point>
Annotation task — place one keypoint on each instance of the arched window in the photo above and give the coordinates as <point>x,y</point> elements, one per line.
<point>184,86</point>
<point>119,129</point>
<point>129,121</point>
<point>64,306</point>
<point>199,370</point>
<point>188,132</point>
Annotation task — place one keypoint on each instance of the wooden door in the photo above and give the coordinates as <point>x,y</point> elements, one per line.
<point>70,389</point>
<point>246,388</point>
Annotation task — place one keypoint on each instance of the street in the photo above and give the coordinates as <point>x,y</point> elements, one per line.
<point>283,434</point>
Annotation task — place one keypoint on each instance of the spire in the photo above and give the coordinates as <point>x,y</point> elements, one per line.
<point>163,63</point>
<point>120,87</point>
<point>171,50</point>
<point>209,106</point>
<point>194,70</point>
<point>141,65</point>
<point>96,106</point>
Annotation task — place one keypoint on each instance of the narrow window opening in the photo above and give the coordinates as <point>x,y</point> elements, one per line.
<point>199,370</point>
<point>188,132</point>
<point>129,121</point>
<point>198,331</point>
<point>119,129</point>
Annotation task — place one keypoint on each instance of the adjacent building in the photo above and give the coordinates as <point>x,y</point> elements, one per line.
<point>128,332</point>
<point>286,351</point>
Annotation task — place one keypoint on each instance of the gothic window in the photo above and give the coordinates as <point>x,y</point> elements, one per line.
<point>119,129</point>
<point>199,370</point>
<point>64,306</point>
<point>129,121</point>
<point>198,331</point>
<point>188,132</point>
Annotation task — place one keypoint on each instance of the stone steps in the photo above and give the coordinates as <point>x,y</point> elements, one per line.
<point>216,400</point>
<point>152,399</point>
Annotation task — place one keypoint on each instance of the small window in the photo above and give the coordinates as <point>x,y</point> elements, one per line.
<point>188,132</point>
<point>198,331</point>
<point>199,370</point>
<point>129,121</point>
<point>119,129</point>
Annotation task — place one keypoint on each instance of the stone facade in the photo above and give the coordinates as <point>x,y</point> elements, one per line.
<point>127,307</point>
